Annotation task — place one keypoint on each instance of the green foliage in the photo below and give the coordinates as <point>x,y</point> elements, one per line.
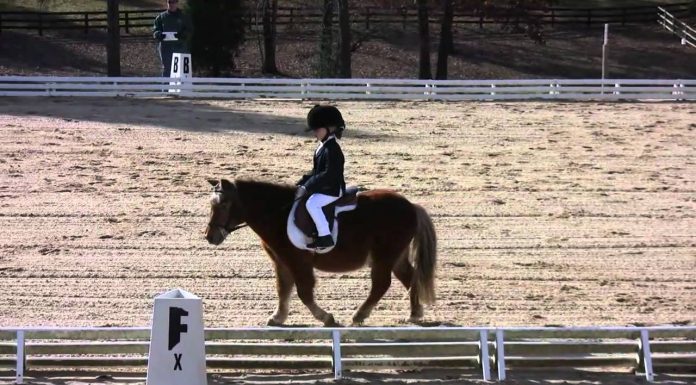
<point>218,31</point>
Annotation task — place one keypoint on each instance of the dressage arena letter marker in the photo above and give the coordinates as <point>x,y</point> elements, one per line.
<point>177,361</point>
<point>175,325</point>
<point>177,342</point>
<point>182,69</point>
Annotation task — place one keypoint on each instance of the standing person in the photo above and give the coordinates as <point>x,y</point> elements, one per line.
<point>325,183</point>
<point>171,29</point>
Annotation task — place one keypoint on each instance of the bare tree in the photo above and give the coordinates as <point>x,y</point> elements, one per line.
<point>424,71</point>
<point>344,43</point>
<point>113,40</point>
<point>270,13</point>
<point>326,49</point>
<point>446,44</point>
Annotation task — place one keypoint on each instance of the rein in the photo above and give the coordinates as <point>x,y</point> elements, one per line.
<point>226,232</point>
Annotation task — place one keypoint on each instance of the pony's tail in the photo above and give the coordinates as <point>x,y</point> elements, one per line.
<point>424,257</point>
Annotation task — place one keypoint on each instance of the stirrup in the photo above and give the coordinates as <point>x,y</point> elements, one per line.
<point>321,242</point>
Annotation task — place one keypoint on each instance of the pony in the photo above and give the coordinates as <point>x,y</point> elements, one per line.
<point>385,230</point>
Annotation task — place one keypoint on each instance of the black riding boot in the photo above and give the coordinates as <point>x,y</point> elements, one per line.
<point>322,242</point>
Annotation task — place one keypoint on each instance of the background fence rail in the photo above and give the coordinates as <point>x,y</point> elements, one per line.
<point>646,349</point>
<point>677,27</point>
<point>140,21</point>
<point>353,89</point>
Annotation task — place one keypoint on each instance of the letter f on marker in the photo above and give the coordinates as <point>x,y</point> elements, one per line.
<point>175,326</point>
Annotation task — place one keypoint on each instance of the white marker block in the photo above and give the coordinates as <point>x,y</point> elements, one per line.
<point>177,343</point>
<point>181,68</point>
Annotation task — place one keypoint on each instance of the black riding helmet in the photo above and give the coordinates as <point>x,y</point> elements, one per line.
<point>325,116</point>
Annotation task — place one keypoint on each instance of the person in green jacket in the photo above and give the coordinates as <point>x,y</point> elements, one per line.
<point>171,29</point>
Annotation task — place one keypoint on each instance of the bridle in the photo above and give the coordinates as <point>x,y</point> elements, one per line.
<point>225,229</point>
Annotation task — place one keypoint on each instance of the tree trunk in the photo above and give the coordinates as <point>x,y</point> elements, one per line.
<point>445,48</point>
<point>326,55</point>
<point>424,71</point>
<point>113,40</point>
<point>344,68</point>
<point>270,12</point>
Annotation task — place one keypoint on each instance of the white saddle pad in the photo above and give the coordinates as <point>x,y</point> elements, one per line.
<point>299,240</point>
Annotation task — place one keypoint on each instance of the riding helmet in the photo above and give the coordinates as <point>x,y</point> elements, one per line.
<point>325,116</point>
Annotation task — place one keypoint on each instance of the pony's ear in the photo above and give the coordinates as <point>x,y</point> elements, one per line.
<point>226,185</point>
<point>213,182</point>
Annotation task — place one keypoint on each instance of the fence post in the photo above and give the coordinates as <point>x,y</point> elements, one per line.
<point>0,23</point>
<point>40,24</point>
<point>367,17</point>
<point>589,17</point>
<point>127,22</point>
<point>337,367</point>
<point>404,14</point>
<point>86,23</point>
<point>646,355</point>
<point>500,353</point>
<point>483,355</point>
<point>20,359</point>
<point>553,18</point>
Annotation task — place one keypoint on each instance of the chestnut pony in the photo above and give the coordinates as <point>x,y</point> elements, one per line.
<point>385,230</point>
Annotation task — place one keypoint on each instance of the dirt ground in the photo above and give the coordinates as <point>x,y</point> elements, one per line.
<point>547,213</point>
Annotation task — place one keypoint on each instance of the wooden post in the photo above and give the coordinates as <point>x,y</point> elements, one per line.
<point>605,50</point>
<point>86,17</point>
<point>589,17</point>
<point>367,17</point>
<point>404,14</point>
<point>126,14</point>
<point>553,17</point>
<point>40,24</point>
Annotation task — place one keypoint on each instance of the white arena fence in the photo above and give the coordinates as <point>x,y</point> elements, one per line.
<point>353,89</point>
<point>677,27</point>
<point>647,350</point>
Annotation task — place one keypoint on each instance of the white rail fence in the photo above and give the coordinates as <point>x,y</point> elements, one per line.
<point>677,27</point>
<point>645,349</point>
<point>353,89</point>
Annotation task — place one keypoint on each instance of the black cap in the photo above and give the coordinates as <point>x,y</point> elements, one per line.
<point>324,116</point>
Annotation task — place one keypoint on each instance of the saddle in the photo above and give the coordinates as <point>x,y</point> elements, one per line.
<point>304,221</point>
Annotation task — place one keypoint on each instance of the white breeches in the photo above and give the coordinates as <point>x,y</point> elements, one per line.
<point>314,206</point>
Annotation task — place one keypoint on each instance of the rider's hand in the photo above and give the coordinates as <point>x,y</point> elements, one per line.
<point>301,191</point>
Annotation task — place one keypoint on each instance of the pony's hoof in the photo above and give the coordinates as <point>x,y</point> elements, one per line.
<point>358,320</point>
<point>415,319</point>
<point>272,322</point>
<point>330,322</point>
<point>357,324</point>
